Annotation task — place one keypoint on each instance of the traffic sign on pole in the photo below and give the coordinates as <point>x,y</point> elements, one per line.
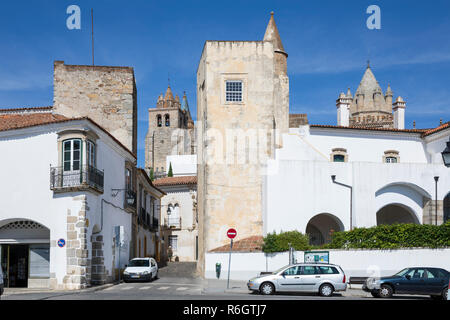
<point>231,233</point>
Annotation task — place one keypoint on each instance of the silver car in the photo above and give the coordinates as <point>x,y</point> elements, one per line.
<point>322,278</point>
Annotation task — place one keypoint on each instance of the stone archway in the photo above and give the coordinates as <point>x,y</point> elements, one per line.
<point>321,227</point>
<point>396,213</point>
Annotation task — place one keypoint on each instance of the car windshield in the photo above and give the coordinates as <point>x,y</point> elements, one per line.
<point>138,263</point>
<point>402,273</point>
<point>281,269</point>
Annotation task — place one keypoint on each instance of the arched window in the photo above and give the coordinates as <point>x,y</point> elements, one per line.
<point>167,118</point>
<point>391,156</point>
<point>159,120</point>
<point>339,155</point>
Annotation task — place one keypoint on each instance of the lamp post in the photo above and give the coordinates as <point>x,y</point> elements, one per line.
<point>436,179</point>
<point>333,177</point>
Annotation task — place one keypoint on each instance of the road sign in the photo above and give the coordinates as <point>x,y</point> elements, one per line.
<point>231,233</point>
<point>61,243</point>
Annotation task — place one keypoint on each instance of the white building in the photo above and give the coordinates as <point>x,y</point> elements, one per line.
<point>338,178</point>
<point>64,183</point>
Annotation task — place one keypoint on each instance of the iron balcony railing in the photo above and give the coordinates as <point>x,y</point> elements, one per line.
<point>85,176</point>
<point>155,224</point>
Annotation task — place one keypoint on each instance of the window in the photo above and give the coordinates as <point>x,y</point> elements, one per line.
<point>72,154</point>
<point>339,155</point>
<point>338,158</point>
<point>233,91</point>
<point>327,270</point>
<point>128,179</point>
<point>292,271</point>
<point>309,270</point>
<point>391,156</point>
<point>90,148</point>
<point>159,120</point>
<point>173,242</point>
<point>167,118</point>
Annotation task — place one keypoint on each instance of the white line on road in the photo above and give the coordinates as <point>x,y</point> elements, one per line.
<point>127,288</point>
<point>145,288</point>
<point>163,288</point>
<point>181,288</point>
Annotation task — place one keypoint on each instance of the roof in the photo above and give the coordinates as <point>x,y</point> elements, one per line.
<point>437,129</point>
<point>149,180</point>
<point>26,109</point>
<point>250,244</point>
<point>174,181</point>
<point>417,131</point>
<point>11,121</point>
<point>273,35</point>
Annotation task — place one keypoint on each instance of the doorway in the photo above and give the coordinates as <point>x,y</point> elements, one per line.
<point>14,260</point>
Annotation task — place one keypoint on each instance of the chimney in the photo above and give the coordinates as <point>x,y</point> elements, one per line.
<point>399,113</point>
<point>343,112</point>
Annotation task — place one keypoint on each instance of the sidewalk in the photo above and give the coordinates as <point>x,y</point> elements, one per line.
<point>16,291</point>
<point>220,286</point>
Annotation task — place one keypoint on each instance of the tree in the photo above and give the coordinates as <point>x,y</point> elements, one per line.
<point>170,174</point>
<point>152,175</point>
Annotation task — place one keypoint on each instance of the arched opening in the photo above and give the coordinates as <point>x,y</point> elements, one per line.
<point>447,208</point>
<point>159,120</point>
<point>321,227</point>
<point>396,213</point>
<point>25,253</point>
<point>167,119</point>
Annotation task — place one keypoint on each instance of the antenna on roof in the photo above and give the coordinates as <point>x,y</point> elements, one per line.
<point>92,23</point>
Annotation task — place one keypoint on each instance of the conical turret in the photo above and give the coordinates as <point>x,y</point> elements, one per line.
<point>273,35</point>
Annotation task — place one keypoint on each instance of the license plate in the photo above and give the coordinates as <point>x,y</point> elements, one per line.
<point>135,276</point>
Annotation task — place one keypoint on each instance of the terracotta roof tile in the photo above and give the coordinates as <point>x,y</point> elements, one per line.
<point>370,129</point>
<point>17,121</point>
<point>437,129</point>
<point>172,181</point>
<point>250,244</point>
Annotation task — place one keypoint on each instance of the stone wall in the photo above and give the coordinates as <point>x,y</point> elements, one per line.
<point>106,95</point>
<point>78,275</point>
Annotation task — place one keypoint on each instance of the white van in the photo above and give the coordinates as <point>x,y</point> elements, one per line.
<point>141,269</point>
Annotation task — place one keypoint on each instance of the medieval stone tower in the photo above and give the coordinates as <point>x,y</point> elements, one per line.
<point>106,95</point>
<point>242,104</point>
<point>170,132</point>
<point>369,107</point>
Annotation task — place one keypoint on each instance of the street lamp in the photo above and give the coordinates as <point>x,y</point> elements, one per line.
<point>436,179</point>
<point>446,155</point>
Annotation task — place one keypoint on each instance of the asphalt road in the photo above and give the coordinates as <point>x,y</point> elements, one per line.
<point>170,288</point>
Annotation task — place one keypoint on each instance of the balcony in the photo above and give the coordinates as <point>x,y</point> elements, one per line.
<point>173,223</point>
<point>76,180</point>
<point>155,224</point>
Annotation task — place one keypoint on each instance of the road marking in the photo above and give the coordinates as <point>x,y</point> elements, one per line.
<point>181,288</point>
<point>127,288</point>
<point>145,288</point>
<point>163,288</point>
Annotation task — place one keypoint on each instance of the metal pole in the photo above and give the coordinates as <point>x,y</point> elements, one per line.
<point>436,200</point>
<point>229,264</point>
<point>119,261</point>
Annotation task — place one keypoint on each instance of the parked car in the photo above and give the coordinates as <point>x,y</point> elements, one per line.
<point>141,269</point>
<point>321,278</point>
<point>417,280</point>
<point>1,281</point>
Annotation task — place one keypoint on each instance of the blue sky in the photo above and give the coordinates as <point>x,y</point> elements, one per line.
<point>327,41</point>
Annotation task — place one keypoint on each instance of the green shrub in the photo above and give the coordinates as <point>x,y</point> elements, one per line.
<point>393,237</point>
<point>274,242</point>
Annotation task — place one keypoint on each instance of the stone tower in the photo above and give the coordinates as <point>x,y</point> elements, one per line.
<point>106,95</point>
<point>369,107</point>
<point>170,132</point>
<point>242,100</point>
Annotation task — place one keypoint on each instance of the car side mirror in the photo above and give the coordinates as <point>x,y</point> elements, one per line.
<point>408,277</point>
<point>126,266</point>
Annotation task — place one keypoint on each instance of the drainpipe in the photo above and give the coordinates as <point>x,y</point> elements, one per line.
<point>333,177</point>
<point>436,200</point>
<point>101,214</point>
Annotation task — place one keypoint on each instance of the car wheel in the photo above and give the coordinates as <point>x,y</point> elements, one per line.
<point>326,290</point>
<point>444,295</point>
<point>375,294</point>
<point>385,291</point>
<point>267,288</point>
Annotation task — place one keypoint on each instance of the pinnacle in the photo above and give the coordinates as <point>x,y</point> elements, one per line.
<point>273,35</point>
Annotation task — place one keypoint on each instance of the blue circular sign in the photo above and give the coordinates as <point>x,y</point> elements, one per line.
<point>61,243</point>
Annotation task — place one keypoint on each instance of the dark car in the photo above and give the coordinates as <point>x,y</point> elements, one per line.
<point>418,280</point>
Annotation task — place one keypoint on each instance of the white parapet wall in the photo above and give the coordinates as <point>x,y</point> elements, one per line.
<point>355,263</point>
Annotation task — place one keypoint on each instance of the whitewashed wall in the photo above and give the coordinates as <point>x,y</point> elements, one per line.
<point>355,263</point>
<point>25,184</point>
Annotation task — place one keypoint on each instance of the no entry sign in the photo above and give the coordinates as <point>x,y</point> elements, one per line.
<point>231,233</point>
